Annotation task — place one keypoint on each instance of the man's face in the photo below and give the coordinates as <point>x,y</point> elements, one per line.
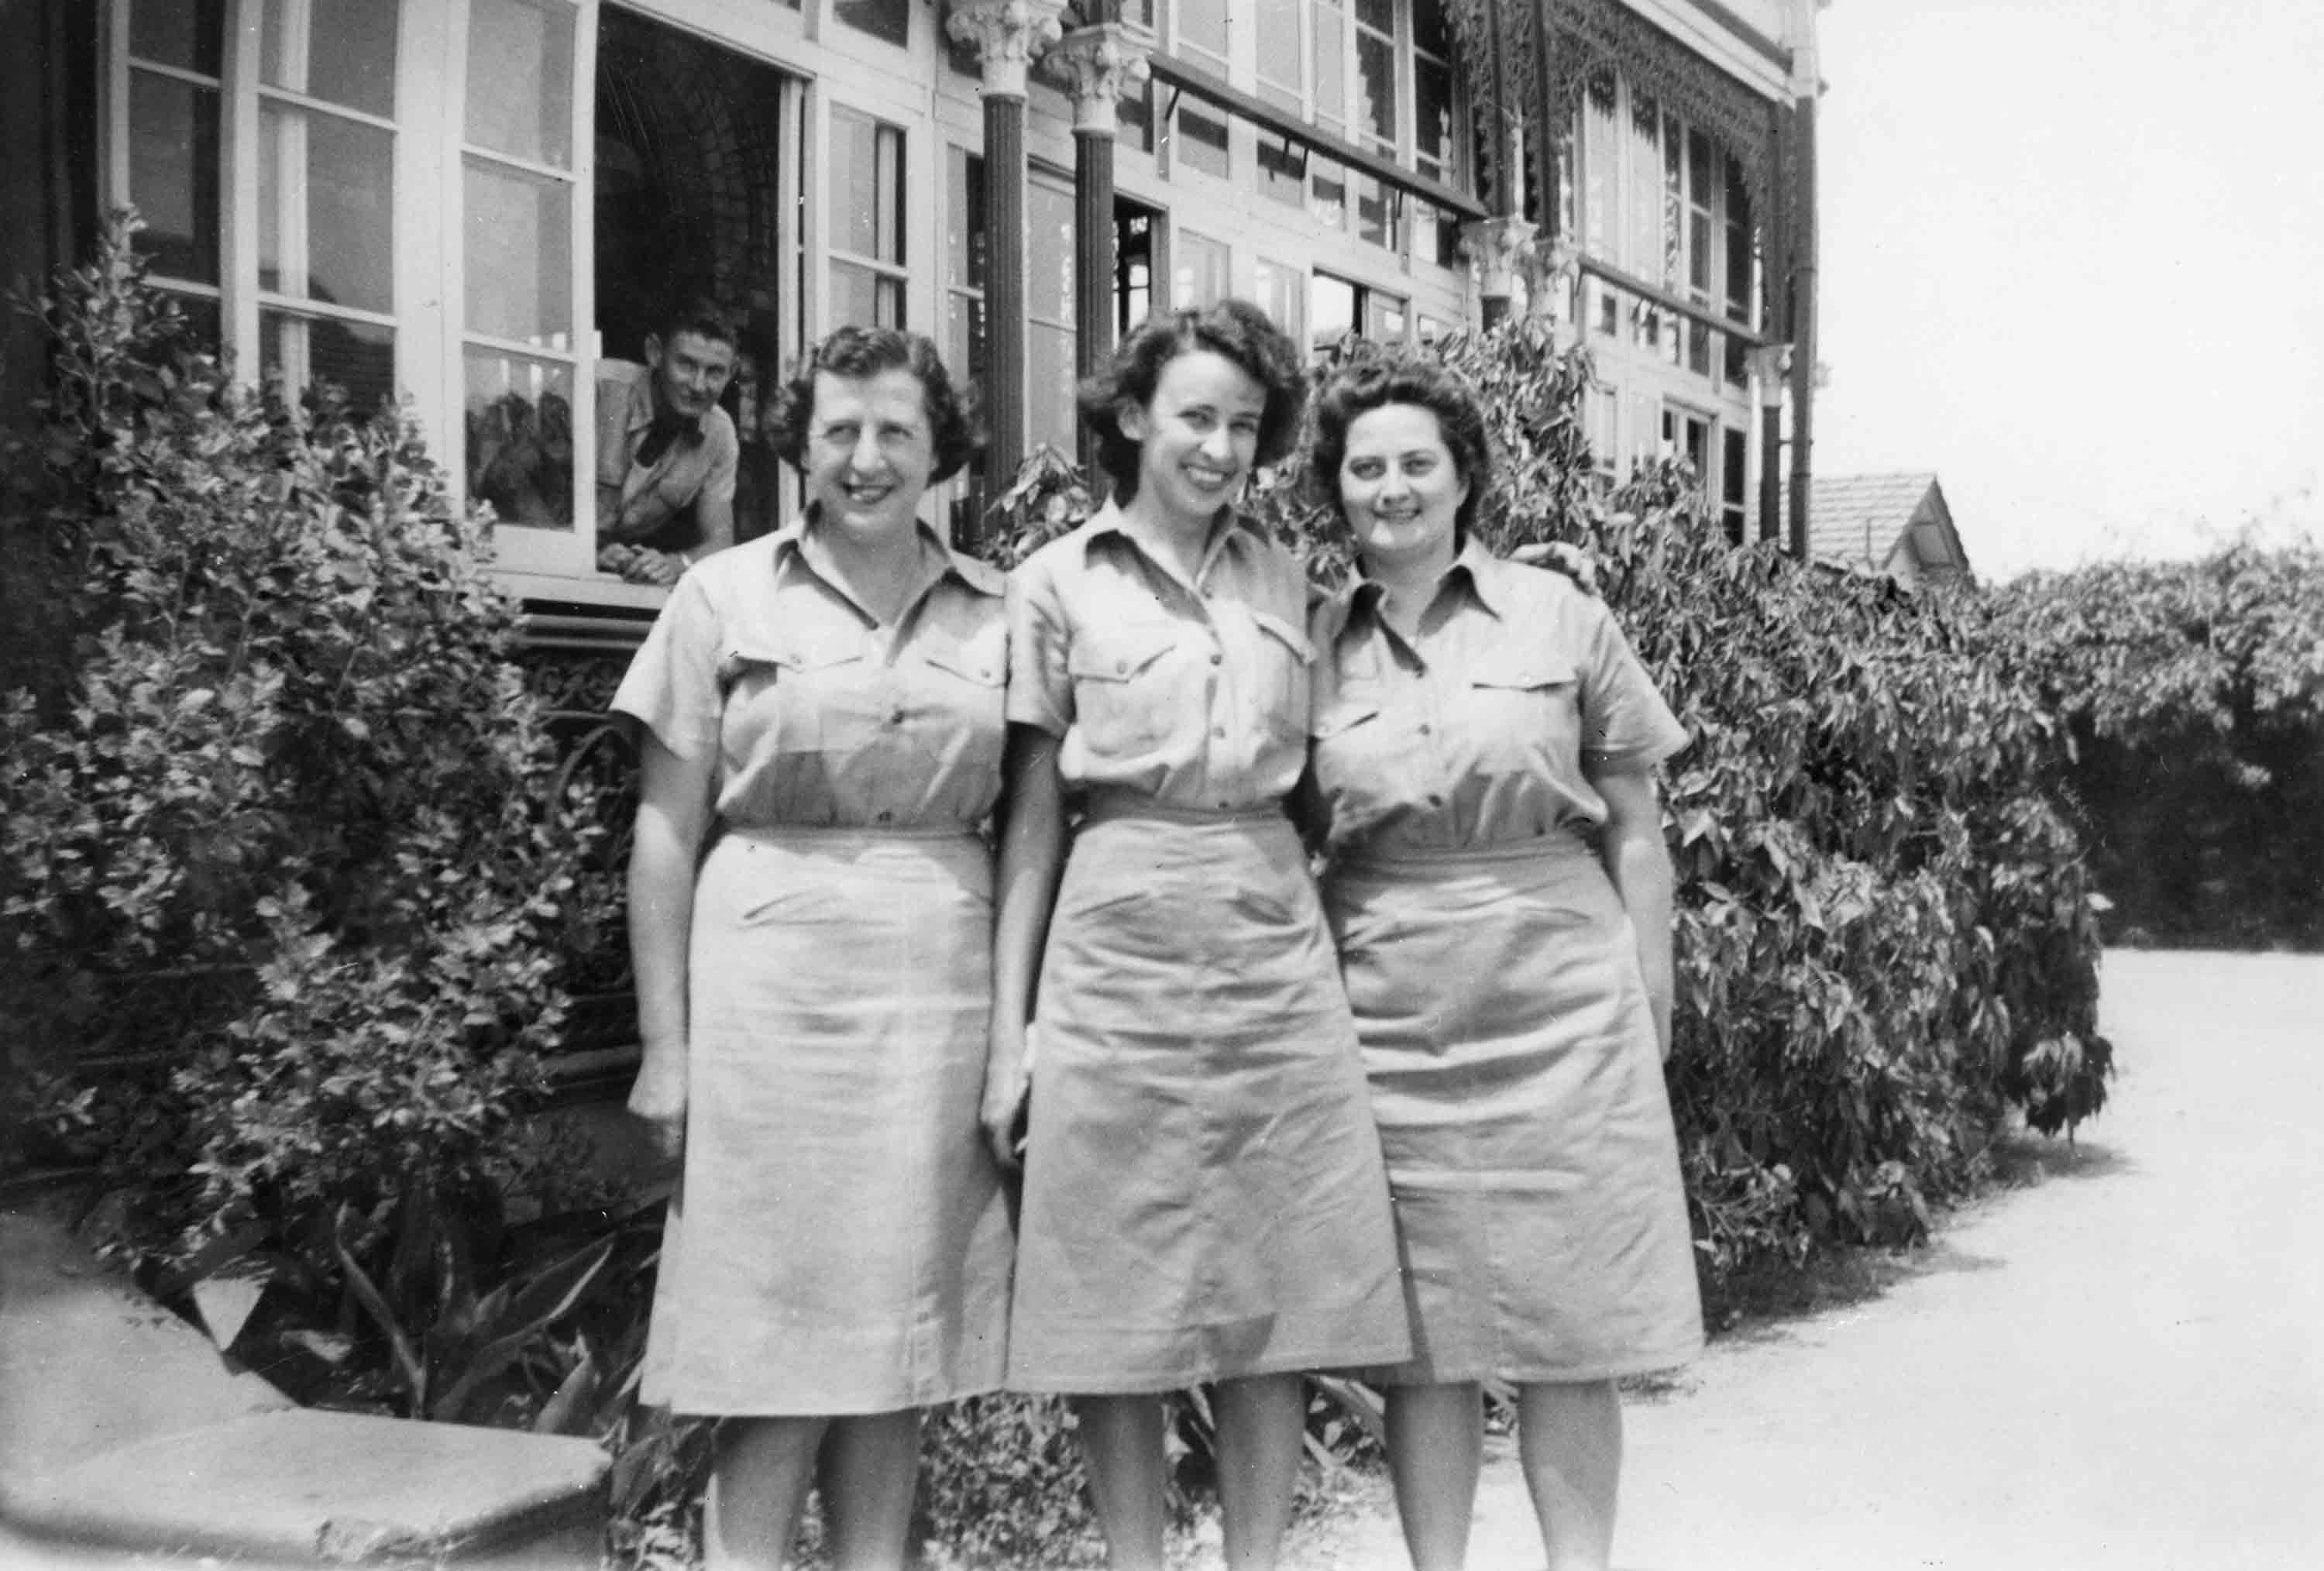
<point>690,371</point>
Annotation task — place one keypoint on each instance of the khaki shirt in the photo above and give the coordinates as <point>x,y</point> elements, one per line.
<point>1483,729</point>
<point>636,502</point>
<point>1197,697</point>
<point>817,716</point>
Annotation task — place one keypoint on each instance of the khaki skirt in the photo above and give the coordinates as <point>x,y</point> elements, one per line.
<point>1203,1194</point>
<point>1521,1105</point>
<point>839,1243</point>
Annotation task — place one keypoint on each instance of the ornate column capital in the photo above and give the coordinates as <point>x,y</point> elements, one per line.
<point>1006,35</point>
<point>1098,65</point>
<point>1499,245</point>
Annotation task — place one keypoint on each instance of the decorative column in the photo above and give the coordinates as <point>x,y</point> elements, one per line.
<point>1806,87</point>
<point>1499,246</point>
<point>1006,35</point>
<point>1097,65</point>
<point>1767,366</point>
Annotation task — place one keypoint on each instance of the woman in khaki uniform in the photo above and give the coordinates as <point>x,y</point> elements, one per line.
<point>1203,1196</point>
<point>810,914</point>
<point>1484,742</point>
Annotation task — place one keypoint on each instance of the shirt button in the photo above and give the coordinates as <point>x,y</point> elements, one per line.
<point>1217,659</point>
<point>886,818</point>
<point>897,718</point>
<point>1219,731</point>
<point>1435,800</point>
<point>1425,728</point>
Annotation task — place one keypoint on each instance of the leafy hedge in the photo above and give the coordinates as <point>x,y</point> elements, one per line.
<point>282,856</point>
<point>2195,696</point>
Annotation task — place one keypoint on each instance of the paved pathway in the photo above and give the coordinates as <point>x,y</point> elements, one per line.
<point>2120,1368</point>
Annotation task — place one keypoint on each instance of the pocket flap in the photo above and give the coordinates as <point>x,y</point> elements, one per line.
<point>979,662</point>
<point>1340,718</point>
<point>1118,654</point>
<point>1285,634</point>
<point>1520,667</point>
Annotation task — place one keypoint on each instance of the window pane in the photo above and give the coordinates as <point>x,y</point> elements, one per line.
<point>1698,348</point>
<point>520,256</point>
<point>520,78</point>
<point>356,357</point>
<point>1384,318</point>
<point>341,180</point>
<point>1049,253</point>
<point>1280,169</point>
<point>1327,183</point>
<point>520,438</point>
<point>1331,310</point>
<point>890,21</point>
<point>964,338</point>
<point>342,51</point>
<point>1049,414</point>
<point>1601,150</point>
<point>1278,50</point>
<point>190,34</point>
<point>1135,117</point>
<point>173,175</point>
<point>1376,84</point>
<point>1331,67</point>
<point>965,221</point>
<point>1379,14</point>
<point>866,170</point>
<point>1645,255</point>
<point>1429,34</point>
<point>1203,142</point>
<point>1198,270</point>
<point>1432,112</point>
<point>1698,253</point>
<point>1203,26</point>
<point>1379,216</point>
<point>1282,294</point>
<point>1699,188</point>
<point>863,297</point>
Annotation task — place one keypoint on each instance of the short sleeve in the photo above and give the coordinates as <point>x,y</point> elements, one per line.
<point>726,459</point>
<point>671,687</point>
<point>1624,722</point>
<point>1040,687</point>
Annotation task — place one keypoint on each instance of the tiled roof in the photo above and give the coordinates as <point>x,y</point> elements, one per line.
<point>1855,520</point>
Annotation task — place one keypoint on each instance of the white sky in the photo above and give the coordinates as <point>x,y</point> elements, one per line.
<point>2073,261</point>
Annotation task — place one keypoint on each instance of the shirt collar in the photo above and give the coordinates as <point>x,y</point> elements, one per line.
<point>938,560</point>
<point>1472,565</point>
<point>1241,532</point>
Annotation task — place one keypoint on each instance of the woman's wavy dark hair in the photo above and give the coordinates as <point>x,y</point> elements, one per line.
<point>1378,377</point>
<point>1235,328</point>
<point>858,352</point>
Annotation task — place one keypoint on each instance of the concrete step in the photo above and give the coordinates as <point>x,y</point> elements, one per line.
<point>88,1362</point>
<point>334,1489</point>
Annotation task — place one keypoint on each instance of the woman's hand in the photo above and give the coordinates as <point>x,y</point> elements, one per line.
<point>658,1101</point>
<point>1008,1086</point>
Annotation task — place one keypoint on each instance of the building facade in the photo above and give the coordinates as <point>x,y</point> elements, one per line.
<point>471,203</point>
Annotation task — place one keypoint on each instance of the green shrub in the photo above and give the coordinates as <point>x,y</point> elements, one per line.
<point>2195,692</point>
<point>282,858</point>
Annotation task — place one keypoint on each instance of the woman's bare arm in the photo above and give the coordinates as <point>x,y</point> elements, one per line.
<point>1639,865</point>
<point>673,816</point>
<point>1032,860</point>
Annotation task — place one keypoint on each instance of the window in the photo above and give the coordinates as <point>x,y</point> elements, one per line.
<point>865,170</point>
<point>1051,334</point>
<point>964,263</point>
<point>1135,231</point>
<point>326,195</point>
<point>889,21</point>
<point>171,89</point>
<point>1282,294</point>
<point>1201,133</point>
<point>519,199</point>
<point>1600,414</point>
<point>1733,461</point>
<point>1337,306</point>
<point>1687,435</point>
<point>1198,270</point>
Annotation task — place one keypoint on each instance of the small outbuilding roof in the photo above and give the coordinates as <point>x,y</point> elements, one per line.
<point>1895,524</point>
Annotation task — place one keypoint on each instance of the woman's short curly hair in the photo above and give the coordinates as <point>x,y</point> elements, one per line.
<point>1234,328</point>
<point>1378,377</point>
<point>860,353</point>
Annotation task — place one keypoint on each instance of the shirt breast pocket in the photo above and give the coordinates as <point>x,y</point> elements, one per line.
<point>965,680</point>
<point>1525,699</point>
<point>811,696</point>
<point>1126,682</point>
